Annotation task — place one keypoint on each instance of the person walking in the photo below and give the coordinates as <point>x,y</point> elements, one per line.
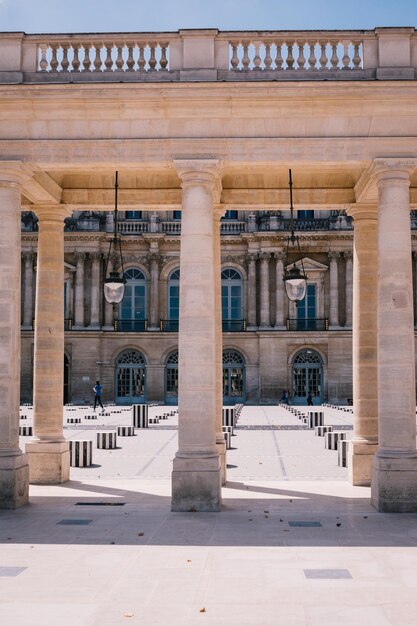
<point>309,399</point>
<point>97,395</point>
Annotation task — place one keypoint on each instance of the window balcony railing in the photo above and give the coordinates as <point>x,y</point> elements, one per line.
<point>67,323</point>
<point>168,326</point>
<point>307,324</point>
<point>131,326</point>
<point>233,326</point>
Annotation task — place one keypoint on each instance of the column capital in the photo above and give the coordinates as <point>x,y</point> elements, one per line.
<point>363,211</point>
<point>280,255</point>
<point>265,256</point>
<point>333,255</point>
<point>348,254</point>
<point>14,173</point>
<point>252,257</point>
<point>27,255</point>
<point>200,172</point>
<point>52,212</point>
<point>398,168</point>
<point>79,256</point>
<point>96,256</point>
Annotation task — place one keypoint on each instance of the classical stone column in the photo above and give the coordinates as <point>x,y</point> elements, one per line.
<point>79,291</point>
<point>196,476</point>
<point>280,291</point>
<point>334,290</point>
<point>415,287</point>
<point>394,468</point>
<point>265,321</point>
<point>109,308</point>
<point>28,290</point>
<point>154,295</point>
<point>349,288</point>
<point>251,290</point>
<point>14,470</point>
<point>220,442</point>
<point>96,289</point>
<point>48,453</point>
<point>365,376</point>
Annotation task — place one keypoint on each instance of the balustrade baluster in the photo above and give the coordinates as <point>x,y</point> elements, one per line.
<point>245,58</point>
<point>65,62</point>
<point>86,61</point>
<point>97,59</point>
<point>268,58</point>
<point>257,57</point>
<point>312,57</point>
<point>130,62</point>
<point>119,60</point>
<point>141,60</point>
<point>335,59</point>
<point>164,61</point>
<point>234,62</point>
<point>109,61</point>
<point>54,58</point>
<point>76,60</point>
<point>323,57</point>
<point>356,57</point>
<point>278,57</point>
<point>152,59</point>
<point>301,61</point>
<point>346,57</point>
<point>290,56</point>
<point>43,63</point>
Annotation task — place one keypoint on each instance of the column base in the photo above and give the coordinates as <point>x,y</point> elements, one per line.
<point>360,463</point>
<point>196,485</point>
<point>49,463</point>
<point>394,483</point>
<point>221,449</point>
<point>14,481</point>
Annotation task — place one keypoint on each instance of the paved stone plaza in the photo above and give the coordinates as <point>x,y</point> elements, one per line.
<point>294,543</point>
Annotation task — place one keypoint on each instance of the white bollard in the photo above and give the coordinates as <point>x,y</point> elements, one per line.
<point>140,415</point>
<point>126,431</point>
<point>315,418</point>
<point>107,440</point>
<point>331,439</point>
<point>81,453</point>
<point>342,452</point>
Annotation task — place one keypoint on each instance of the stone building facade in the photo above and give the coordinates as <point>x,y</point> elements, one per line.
<point>269,344</point>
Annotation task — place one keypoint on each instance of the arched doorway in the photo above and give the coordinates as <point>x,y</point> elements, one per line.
<point>307,377</point>
<point>171,379</point>
<point>130,378</point>
<point>234,377</point>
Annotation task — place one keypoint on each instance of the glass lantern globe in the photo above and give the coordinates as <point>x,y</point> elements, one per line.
<point>114,288</point>
<point>295,284</point>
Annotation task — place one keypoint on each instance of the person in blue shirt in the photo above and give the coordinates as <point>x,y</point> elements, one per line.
<point>97,395</point>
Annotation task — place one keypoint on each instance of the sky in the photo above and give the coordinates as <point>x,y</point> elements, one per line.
<point>63,16</point>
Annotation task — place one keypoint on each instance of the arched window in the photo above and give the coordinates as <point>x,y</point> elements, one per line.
<point>173,300</point>
<point>234,377</point>
<point>307,377</point>
<point>171,379</point>
<point>132,316</point>
<point>130,377</point>
<point>232,300</point>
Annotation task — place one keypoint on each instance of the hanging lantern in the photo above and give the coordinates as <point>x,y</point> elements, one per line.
<point>295,280</point>
<point>114,283</point>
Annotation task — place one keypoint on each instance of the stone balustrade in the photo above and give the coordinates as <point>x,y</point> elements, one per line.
<point>210,55</point>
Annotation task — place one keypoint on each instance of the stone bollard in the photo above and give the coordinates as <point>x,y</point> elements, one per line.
<point>126,431</point>
<point>228,417</point>
<point>320,431</point>
<point>23,417</point>
<point>26,431</point>
<point>73,420</point>
<point>81,453</point>
<point>228,440</point>
<point>315,418</point>
<point>154,420</point>
<point>342,452</point>
<point>331,439</point>
<point>107,440</point>
<point>140,415</point>
<point>90,417</point>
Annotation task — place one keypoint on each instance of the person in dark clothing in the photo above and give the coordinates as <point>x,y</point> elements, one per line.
<point>309,399</point>
<point>97,395</point>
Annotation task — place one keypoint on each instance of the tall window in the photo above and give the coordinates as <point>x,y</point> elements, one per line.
<point>306,310</point>
<point>130,377</point>
<point>232,299</point>
<point>133,306</point>
<point>133,215</point>
<point>174,295</point>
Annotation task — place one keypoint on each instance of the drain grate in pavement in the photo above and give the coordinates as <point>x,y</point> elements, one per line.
<point>100,503</point>
<point>327,574</point>
<point>305,524</point>
<point>11,571</point>
<point>75,522</point>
